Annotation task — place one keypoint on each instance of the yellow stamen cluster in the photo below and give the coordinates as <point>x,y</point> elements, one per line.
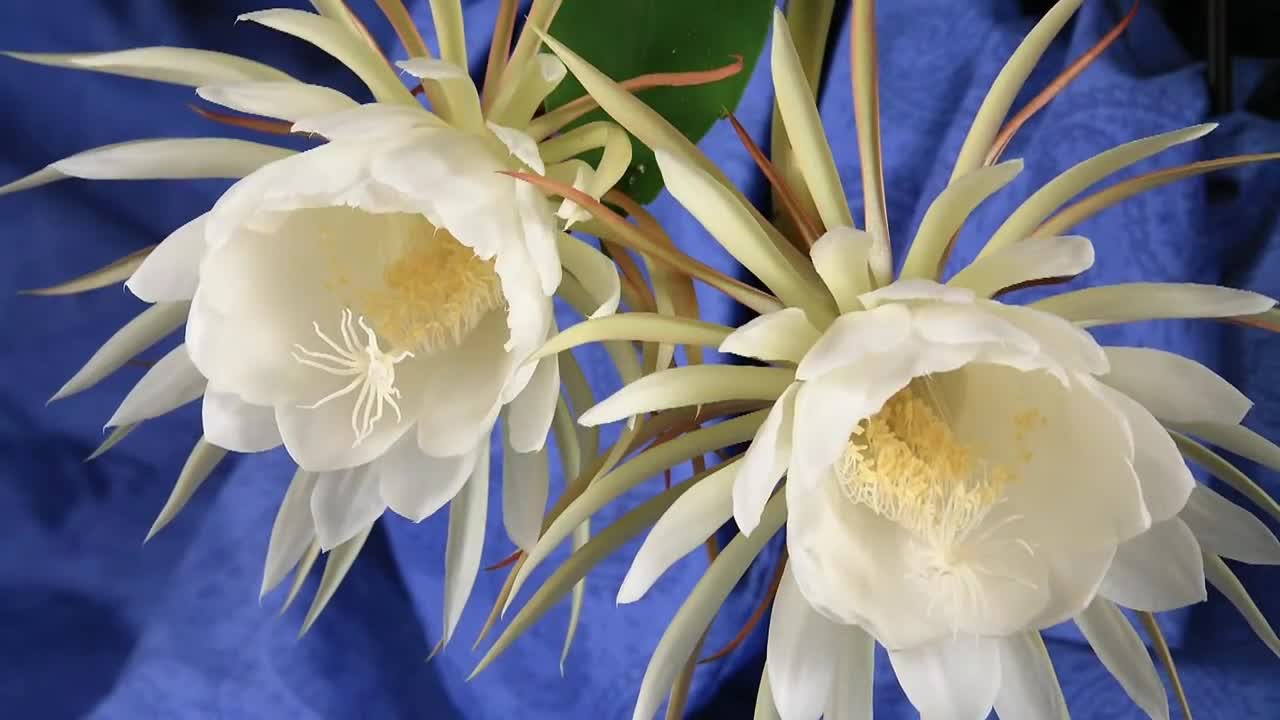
<point>433,295</point>
<point>905,464</point>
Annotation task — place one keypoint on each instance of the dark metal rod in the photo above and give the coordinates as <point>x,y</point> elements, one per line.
<point>1219,56</point>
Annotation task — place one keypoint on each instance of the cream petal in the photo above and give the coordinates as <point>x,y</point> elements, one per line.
<point>540,235</point>
<point>465,545</point>
<point>800,117</point>
<point>520,145</point>
<point>180,66</point>
<point>955,324</point>
<point>785,335</point>
<point>1157,571</point>
<point>1133,302</point>
<point>530,412</point>
<point>140,333</point>
<point>292,532</point>
<point>373,120</point>
<point>685,526</point>
<point>854,336</point>
<point>1224,528</point>
<point>1069,450</point>
<point>1174,388</point>
<point>172,271</point>
<point>686,386</point>
<point>947,214</point>
<point>1121,651</point>
<point>764,462</point>
<point>594,271</point>
<point>802,654</point>
<point>1029,687</point>
<point>415,485</point>
<point>462,391</point>
<point>840,257</point>
<point>169,384</point>
<point>345,46</point>
<point>233,424</point>
<point>957,678</point>
<point>286,100</point>
<point>171,159</point>
<point>525,488</point>
<point>1166,479</point>
<point>1025,261</point>
<point>1073,579</point>
<point>915,289</point>
<point>852,693</point>
<point>344,503</point>
<point>1068,345</point>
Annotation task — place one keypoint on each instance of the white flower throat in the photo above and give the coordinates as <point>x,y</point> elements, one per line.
<point>429,298</point>
<point>906,465</point>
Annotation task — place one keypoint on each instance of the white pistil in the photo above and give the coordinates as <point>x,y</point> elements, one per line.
<point>373,371</point>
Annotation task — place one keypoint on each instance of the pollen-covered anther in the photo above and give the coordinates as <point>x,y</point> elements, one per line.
<point>373,372</point>
<point>434,294</point>
<point>906,465</point>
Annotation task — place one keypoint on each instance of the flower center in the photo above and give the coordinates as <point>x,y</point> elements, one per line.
<point>432,296</point>
<point>373,373</point>
<point>905,464</point>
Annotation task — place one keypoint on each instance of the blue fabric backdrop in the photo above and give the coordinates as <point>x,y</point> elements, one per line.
<point>93,625</point>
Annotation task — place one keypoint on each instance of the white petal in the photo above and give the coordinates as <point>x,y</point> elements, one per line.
<point>764,462</point>
<point>1068,345</point>
<point>1121,651</point>
<point>178,159</point>
<point>540,235</point>
<point>171,272</point>
<point>685,526</point>
<point>1160,570</point>
<point>1174,388</point>
<point>594,271</point>
<point>181,66</point>
<point>784,335</point>
<point>799,115</point>
<point>1025,261</point>
<point>840,257</point>
<point>915,289</point>
<point>529,414</point>
<point>371,120</point>
<point>1029,688</point>
<point>956,677</point>
<point>416,485</point>
<point>320,439</point>
<point>292,531</point>
<point>463,391</point>
<point>344,503</point>
<point>955,324</point>
<point>290,101</point>
<point>1166,479</point>
<point>525,488</point>
<point>338,41</point>
<point>519,144</point>
<point>852,693</point>
<point>137,335</point>
<point>1226,529</point>
<point>1132,302</point>
<point>234,424</point>
<point>171,383</point>
<point>467,515</point>
<point>853,336</point>
<point>801,656</point>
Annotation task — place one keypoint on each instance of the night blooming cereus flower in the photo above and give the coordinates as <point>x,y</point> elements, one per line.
<point>960,473</point>
<point>369,304</point>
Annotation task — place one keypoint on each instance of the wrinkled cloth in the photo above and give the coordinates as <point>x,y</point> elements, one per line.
<point>96,625</point>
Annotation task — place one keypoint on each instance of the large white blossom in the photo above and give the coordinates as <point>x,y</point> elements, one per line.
<point>958,473</point>
<point>369,303</point>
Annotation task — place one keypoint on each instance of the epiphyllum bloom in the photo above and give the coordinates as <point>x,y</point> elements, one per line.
<point>369,304</point>
<point>960,473</point>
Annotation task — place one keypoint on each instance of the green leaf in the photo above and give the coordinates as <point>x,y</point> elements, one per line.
<point>626,38</point>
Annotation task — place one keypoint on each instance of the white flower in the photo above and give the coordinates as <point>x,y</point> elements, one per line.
<point>960,473</point>
<point>370,303</point>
